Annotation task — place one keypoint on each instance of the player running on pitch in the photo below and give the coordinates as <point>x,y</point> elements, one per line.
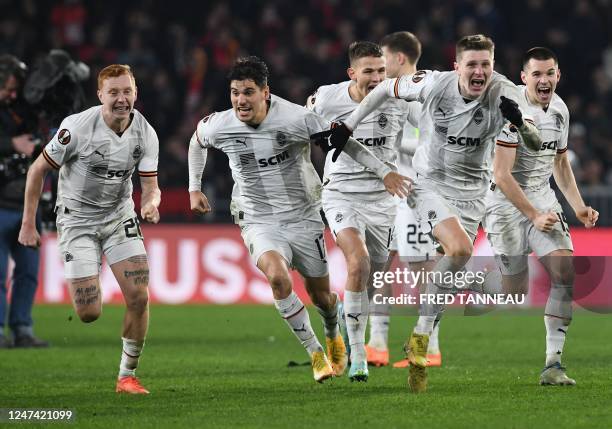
<point>463,113</point>
<point>359,210</point>
<point>276,198</point>
<point>402,52</point>
<point>96,152</point>
<point>523,214</point>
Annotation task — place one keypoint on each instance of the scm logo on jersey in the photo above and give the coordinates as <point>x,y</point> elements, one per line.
<point>464,141</point>
<point>273,160</point>
<point>373,141</point>
<point>549,145</point>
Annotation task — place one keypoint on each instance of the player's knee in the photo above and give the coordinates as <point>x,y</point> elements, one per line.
<point>137,301</point>
<point>564,276</point>
<point>359,267</point>
<point>89,314</point>
<point>279,281</point>
<point>459,248</point>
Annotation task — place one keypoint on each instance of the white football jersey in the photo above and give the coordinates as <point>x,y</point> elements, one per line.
<point>96,164</point>
<point>457,136</point>
<point>378,132</point>
<point>408,138</point>
<point>274,179</point>
<point>533,169</point>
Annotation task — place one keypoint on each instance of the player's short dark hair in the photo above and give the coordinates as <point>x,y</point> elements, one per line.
<point>539,53</point>
<point>476,42</point>
<point>404,42</point>
<point>362,49</point>
<point>252,68</point>
<point>10,65</point>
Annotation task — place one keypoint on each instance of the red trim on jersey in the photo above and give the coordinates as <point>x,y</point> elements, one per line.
<point>506,144</point>
<point>147,173</point>
<point>50,161</point>
<point>395,87</point>
<point>559,151</point>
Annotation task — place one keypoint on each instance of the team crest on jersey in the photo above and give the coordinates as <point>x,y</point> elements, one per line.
<point>63,136</point>
<point>431,215</point>
<point>137,152</point>
<point>478,116</point>
<point>281,138</point>
<point>382,120</point>
<point>68,257</point>
<point>418,76</point>
<point>338,217</point>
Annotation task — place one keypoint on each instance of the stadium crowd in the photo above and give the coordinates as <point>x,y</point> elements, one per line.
<point>181,57</point>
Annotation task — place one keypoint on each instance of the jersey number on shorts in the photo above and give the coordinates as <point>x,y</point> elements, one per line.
<point>132,228</point>
<point>413,236</point>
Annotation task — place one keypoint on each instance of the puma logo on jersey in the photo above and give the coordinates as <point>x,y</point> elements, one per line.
<point>375,141</point>
<point>99,153</point>
<point>243,141</point>
<point>464,141</point>
<point>274,160</point>
<point>442,111</point>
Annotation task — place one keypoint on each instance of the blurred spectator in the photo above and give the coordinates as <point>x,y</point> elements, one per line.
<point>181,56</point>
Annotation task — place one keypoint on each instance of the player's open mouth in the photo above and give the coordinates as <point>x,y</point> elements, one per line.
<point>544,91</point>
<point>477,84</point>
<point>121,109</point>
<point>371,87</point>
<point>243,110</point>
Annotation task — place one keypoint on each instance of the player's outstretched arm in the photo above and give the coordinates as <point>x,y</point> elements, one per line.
<point>502,168</point>
<point>150,199</point>
<point>528,132</point>
<point>564,177</point>
<point>197,161</point>
<point>370,103</point>
<point>28,236</point>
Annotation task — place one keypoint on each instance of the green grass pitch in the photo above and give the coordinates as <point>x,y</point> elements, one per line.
<point>214,366</point>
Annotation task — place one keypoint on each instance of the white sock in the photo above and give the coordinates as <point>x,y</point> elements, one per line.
<point>379,325</point>
<point>556,329</point>
<point>330,318</point>
<point>379,331</point>
<point>425,325</point>
<point>295,314</point>
<point>129,357</point>
<point>356,321</point>
<point>434,346</point>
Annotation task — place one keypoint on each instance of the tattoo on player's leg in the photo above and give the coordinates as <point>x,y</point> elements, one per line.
<point>87,295</point>
<point>140,277</point>
<point>138,259</point>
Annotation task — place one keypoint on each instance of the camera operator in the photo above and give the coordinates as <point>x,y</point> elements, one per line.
<point>17,145</point>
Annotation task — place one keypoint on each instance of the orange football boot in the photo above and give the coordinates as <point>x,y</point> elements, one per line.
<point>130,384</point>
<point>432,360</point>
<point>377,357</point>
